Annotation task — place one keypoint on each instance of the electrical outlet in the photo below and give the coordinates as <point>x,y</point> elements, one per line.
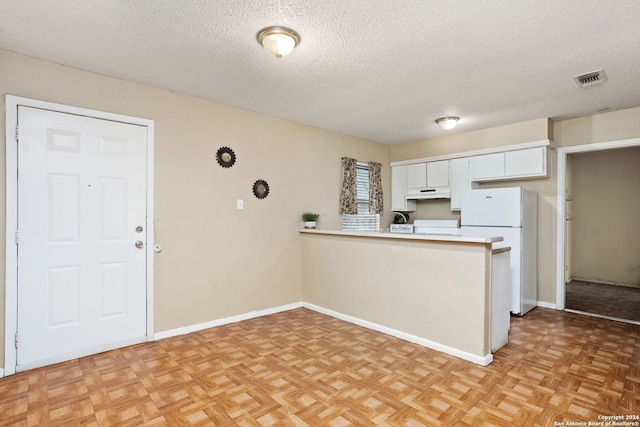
<point>239,204</point>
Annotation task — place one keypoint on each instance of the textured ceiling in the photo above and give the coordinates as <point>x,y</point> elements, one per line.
<point>383,70</point>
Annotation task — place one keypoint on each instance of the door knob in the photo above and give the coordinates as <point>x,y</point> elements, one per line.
<point>139,244</point>
<point>139,229</point>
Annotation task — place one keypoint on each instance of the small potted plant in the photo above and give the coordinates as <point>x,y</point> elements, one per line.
<point>401,218</point>
<point>310,219</point>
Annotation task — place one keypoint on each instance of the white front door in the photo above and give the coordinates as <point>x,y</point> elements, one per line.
<point>82,235</point>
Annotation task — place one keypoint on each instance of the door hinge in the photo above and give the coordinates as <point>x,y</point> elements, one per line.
<point>17,133</point>
<point>15,342</point>
<point>17,237</point>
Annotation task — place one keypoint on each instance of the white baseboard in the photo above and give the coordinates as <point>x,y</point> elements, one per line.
<point>545,304</point>
<point>1,373</point>
<point>480,360</point>
<point>224,321</point>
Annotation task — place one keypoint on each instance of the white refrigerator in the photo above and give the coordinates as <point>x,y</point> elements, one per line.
<point>512,214</point>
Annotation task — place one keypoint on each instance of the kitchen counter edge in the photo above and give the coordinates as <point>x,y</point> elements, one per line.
<point>404,236</point>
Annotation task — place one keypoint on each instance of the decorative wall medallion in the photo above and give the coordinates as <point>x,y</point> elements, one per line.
<point>261,189</point>
<point>225,157</point>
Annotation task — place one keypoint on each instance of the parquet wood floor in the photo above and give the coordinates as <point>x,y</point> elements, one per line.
<point>301,368</point>
<point>608,300</point>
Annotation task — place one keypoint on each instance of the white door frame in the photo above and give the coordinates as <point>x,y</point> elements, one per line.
<point>562,182</point>
<point>11,259</point>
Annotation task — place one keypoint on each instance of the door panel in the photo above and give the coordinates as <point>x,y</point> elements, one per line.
<point>417,175</point>
<point>525,162</point>
<point>81,195</point>
<point>113,279</point>
<point>113,208</point>
<point>438,174</point>
<point>62,207</point>
<point>64,293</point>
<point>486,166</point>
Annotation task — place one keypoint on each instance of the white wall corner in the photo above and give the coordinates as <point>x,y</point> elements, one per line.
<point>470,357</point>
<point>545,304</point>
<point>1,373</point>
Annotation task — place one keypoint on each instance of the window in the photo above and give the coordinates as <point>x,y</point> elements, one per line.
<point>364,220</point>
<point>362,182</point>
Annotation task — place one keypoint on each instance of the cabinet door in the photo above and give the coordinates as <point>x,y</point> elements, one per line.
<point>417,175</point>
<point>399,200</point>
<point>486,166</point>
<point>438,174</point>
<point>460,181</point>
<point>529,162</point>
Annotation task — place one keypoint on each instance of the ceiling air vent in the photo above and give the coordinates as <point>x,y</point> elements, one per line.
<point>591,79</point>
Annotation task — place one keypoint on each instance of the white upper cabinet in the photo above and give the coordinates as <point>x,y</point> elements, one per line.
<point>417,175</point>
<point>399,200</point>
<point>461,172</point>
<point>530,162</point>
<point>460,181</point>
<point>487,166</point>
<point>438,174</point>
<point>516,164</point>
<point>428,174</point>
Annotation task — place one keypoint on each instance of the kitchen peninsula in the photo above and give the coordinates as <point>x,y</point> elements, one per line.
<point>434,290</point>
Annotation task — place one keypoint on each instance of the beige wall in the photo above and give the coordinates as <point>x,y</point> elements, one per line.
<point>434,209</point>
<point>605,247</point>
<point>612,126</point>
<point>217,261</point>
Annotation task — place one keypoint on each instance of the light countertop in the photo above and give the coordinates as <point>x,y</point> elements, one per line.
<point>403,236</point>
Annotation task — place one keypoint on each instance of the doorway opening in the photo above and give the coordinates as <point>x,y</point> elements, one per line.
<point>597,270</point>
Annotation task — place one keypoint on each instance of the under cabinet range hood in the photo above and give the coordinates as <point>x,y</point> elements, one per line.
<point>428,193</point>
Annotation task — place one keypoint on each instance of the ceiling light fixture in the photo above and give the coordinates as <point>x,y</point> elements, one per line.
<point>278,41</point>
<point>447,123</point>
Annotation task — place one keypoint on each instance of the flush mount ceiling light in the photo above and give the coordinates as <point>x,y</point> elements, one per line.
<point>447,123</point>
<point>278,41</point>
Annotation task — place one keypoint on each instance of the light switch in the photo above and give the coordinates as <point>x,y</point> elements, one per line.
<point>239,204</point>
